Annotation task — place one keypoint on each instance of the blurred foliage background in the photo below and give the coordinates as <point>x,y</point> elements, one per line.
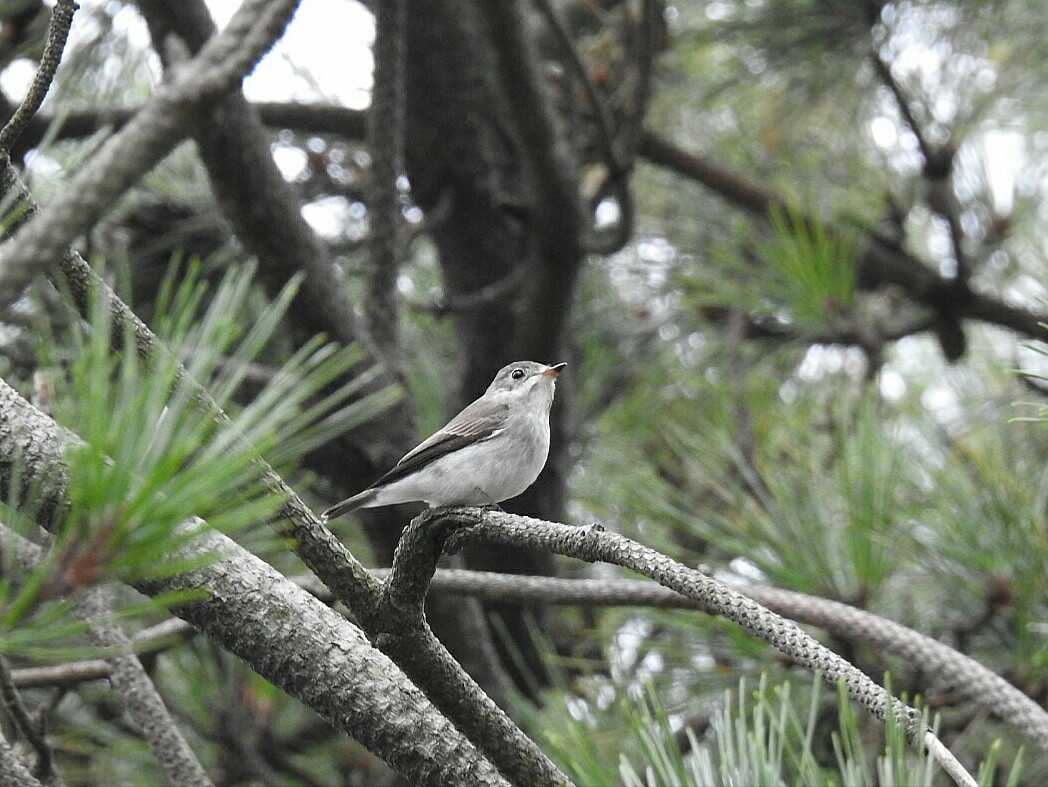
<point>747,391</point>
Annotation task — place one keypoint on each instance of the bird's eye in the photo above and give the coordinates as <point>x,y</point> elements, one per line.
<point>517,374</point>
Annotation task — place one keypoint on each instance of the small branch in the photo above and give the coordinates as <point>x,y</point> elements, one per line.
<point>455,304</point>
<point>605,134</point>
<point>948,761</point>
<point>138,695</point>
<point>884,73</point>
<point>20,716</point>
<point>594,544</point>
<point>938,165</point>
<point>57,33</point>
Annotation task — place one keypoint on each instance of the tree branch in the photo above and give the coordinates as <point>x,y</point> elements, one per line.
<point>938,167</point>
<point>57,33</point>
<point>980,685</point>
<point>138,695</point>
<point>882,263</point>
<point>617,179</point>
<point>399,626</point>
<point>285,634</point>
<point>594,544</point>
<point>318,547</point>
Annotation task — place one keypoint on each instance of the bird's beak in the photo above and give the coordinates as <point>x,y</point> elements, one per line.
<point>554,370</point>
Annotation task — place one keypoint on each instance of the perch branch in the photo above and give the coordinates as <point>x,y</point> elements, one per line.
<point>399,626</point>
<point>594,544</point>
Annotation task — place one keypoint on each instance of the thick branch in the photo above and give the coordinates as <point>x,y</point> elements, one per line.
<point>57,33</point>
<point>285,634</point>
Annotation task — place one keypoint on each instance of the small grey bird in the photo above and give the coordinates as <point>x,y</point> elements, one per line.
<point>493,450</point>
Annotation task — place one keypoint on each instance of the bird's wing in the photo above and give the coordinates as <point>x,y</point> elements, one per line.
<point>480,420</point>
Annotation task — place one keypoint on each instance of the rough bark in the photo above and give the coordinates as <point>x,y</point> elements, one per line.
<point>284,633</point>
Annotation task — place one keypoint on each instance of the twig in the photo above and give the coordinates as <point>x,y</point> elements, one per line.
<point>884,73</point>
<point>489,293</point>
<point>57,33</point>
<point>605,135</point>
<point>594,544</point>
<point>20,716</point>
<point>948,761</point>
<point>138,695</point>
<point>938,164</point>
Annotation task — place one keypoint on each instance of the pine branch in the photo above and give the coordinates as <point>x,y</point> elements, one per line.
<point>882,262</point>
<point>287,636</point>
<point>57,33</point>
<point>594,544</point>
<point>137,693</point>
<point>318,547</point>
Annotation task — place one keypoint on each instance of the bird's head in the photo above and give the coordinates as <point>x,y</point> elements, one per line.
<point>525,380</point>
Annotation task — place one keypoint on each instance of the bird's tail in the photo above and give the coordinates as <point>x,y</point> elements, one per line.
<point>359,500</point>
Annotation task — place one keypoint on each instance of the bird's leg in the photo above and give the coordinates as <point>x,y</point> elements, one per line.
<point>491,504</point>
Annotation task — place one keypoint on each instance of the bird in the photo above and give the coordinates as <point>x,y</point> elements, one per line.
<point>491,451</point>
